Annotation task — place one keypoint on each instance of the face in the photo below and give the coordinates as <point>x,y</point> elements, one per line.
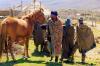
<point>53,17</point>
<point>80,22</point>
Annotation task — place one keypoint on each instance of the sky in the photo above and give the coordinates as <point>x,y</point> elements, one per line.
<point>10,3</point>
<point>56,4</point>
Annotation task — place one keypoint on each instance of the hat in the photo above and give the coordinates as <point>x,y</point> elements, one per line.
<point>68,23</point>
<point>55,13</point>
<point>81,20</point>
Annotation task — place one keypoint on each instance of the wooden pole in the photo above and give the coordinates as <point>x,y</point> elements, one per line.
<point>11,12</point>
<point>21,5</point>
<point>95,18</point>
<point>92,19</point>
<point>40,4</point>
<point>34,3</point>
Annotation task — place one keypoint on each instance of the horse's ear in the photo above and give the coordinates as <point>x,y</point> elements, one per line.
<point>25,17</point>
<point>41,9</point>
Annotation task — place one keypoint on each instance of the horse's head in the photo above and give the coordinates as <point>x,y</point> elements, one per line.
<point>39,16</point>
<point>36,16</point>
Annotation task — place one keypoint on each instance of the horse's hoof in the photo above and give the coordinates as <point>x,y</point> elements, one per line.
<point>83,62</point>
<point>28,56</point>
<point>25,57</point>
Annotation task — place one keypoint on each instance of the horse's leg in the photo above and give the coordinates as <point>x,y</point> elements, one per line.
<point>42,46</point>
<point>83,57</point>
<point>6,48</point>
<point>36,45</point>
<point>26,48</point>
<point>11,52</point>
<point>10,49</point>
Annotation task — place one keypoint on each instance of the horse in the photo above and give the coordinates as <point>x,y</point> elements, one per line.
<point>11,29</point>
<point>45,48</point>
<point>38,36</point>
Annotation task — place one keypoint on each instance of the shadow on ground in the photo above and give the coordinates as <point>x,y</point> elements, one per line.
<point>53,64</point>
<point>40,54</point>
<point>37,54</point>
<point>86,64</point>
<point>19,61</point>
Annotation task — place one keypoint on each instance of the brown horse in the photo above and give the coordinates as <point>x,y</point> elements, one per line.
<point>13,28</point>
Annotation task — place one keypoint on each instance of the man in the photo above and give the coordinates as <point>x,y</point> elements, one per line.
<point>56,30</point>
<point>68,41</point>
<point>85,39</point>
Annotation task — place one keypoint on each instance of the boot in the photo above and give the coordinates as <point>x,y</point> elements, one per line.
<point>56,58</point>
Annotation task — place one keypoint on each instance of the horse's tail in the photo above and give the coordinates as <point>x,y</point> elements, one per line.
<point>3,37</point>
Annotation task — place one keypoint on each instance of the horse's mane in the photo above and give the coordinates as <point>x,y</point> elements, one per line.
<point>32,14</point>
<point>10,17</point>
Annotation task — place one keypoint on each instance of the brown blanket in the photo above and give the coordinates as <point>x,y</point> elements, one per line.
<point>85,38</point>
